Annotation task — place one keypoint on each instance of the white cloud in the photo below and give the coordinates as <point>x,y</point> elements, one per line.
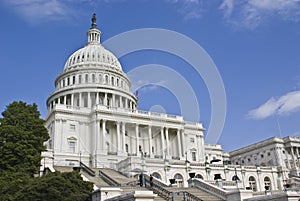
<point>190,9</point>
<point>285,105</point>
<point>35,11</point>
<point>251,13</point>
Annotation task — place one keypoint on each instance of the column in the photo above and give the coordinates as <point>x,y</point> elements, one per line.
<point>126,103</point>
<point>150,141</point>
<point>167,142</point>
<point>294,158</point>
<point>97,136</point>
<point>118,137</point>
<point>162,141</point>
<point>137,138</point>
<point>287,158</point>
<point>124,137</point>
<point>72,100</point>
<point>120,101</point>
<point>89,100</point>
<point>105,99</point>
<point>113,100</point>
<point>97,98</point>
<point>65,100</point>
<point>80,100</point>
<point>103,136</point>
<point>179,143</point>
<point>183,143</point>
<point>58,100</point>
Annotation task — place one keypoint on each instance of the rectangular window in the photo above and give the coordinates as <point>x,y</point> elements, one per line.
<point>72,127</point>
<point>86,78</point>
<point>194,156</point>
<point>192,140</point>
<point>72,146</point>
<point>79,79</point>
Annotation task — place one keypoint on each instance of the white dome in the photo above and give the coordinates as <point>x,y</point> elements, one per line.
<point>94,54</point>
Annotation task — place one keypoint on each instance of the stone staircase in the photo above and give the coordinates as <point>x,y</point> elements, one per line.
<point>105,177</point>
<point>178,194</point>
<point>114,177</point>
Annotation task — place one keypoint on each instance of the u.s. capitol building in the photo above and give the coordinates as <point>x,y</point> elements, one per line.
<point>93,119</point>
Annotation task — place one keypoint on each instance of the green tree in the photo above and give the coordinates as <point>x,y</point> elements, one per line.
<point>22,134</point>
<point>56,186</point>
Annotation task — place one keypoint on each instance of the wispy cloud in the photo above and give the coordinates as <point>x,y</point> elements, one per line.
<point>284,105</point>
<point>251,13</point>
<point>37,11</point>
<point>189,9</point>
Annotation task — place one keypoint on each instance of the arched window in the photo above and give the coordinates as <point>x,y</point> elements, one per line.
<point>112,81</point>
<point>178,179</point>
<point>156,175</point>
<point>100,78</point>
<point>199,176</point>
<point>252,183</point>
<point>267,182</point>
<point>106,79</point>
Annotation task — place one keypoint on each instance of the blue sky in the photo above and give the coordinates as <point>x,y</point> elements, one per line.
<point>254,44</point>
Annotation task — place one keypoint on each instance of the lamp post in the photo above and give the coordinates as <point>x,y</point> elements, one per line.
<point>142,180</point>
<point>166,165</point>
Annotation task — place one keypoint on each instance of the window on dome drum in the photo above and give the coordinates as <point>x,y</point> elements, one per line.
<point>126,148</point>
<point>192,140</point>
<point>86,78</point>
<point>152,149</point>
<point>68,81</point>
<point>106,79</point>
<point>73,82</point>
<point>112,81</point>
<point>79,79</point>
<point>100,78</point>
<point>93,78</point>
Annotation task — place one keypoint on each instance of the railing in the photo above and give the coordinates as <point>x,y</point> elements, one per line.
<point>160,189</point>
<point>107,179</point>
<point>87,169</point>
<point>209,188</point>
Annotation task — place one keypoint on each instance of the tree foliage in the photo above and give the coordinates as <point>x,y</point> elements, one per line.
<point>22,134</point>
<point>56,186</point>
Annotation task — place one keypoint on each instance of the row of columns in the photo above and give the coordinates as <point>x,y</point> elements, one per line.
<point>101,138</point>
<point>105,100</point>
